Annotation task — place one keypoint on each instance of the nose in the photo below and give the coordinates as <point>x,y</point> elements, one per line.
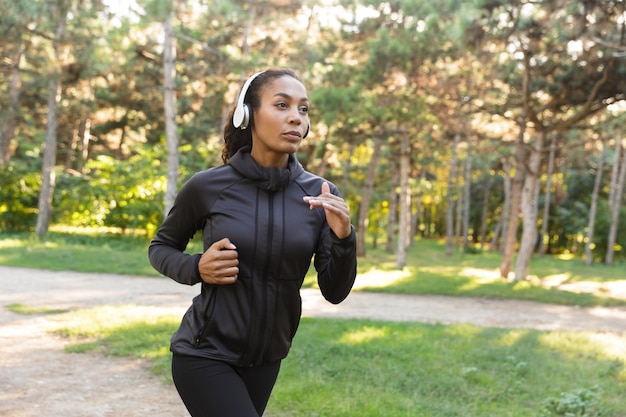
<point>295,117</point>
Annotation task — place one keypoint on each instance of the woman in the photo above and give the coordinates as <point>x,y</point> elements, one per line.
<point>262,218</point>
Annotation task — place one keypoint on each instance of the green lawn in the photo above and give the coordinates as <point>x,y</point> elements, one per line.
<point>370,368</point>
<point>429,270</point>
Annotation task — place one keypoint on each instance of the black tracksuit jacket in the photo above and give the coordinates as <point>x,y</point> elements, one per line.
<point>261,211</point>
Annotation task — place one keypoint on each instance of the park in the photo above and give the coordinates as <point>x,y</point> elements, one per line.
<point>479,146</point>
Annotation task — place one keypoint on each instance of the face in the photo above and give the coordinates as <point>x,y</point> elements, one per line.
<point>280,122</point>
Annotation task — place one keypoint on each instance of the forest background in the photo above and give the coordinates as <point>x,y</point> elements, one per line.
<point>491,124</point>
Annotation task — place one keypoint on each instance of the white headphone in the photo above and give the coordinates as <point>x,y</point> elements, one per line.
<point>241,115</point>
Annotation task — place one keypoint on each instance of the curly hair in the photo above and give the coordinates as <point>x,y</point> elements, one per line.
<point>235,138</point>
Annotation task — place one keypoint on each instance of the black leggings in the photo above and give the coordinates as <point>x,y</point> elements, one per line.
<point>211,388</point>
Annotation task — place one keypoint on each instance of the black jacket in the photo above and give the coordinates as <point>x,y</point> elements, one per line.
<point>276,234</point>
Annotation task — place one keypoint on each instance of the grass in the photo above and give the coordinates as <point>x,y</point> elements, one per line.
<point>428,269</point>
<point>30,310</point>
<point>368,368</point>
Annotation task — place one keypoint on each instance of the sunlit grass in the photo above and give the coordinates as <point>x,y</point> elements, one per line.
<point>30,310</point>
<point>345,368</point>
<point>137,331</point>
<point>430,271</point>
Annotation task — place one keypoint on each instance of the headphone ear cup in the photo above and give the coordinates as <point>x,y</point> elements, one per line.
<point>239,115</point>
<point>308,127</point>
<point>246,117</point>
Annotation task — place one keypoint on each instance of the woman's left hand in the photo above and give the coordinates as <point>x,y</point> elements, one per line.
<point>337,211</point>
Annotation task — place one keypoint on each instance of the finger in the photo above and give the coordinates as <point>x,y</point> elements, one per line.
<point>325,188</point>
<point>227,272</point>
<point>223,244</point>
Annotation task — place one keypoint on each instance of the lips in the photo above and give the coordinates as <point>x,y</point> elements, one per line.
<point>293,134</point>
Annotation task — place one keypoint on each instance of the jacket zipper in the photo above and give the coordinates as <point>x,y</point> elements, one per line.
<point>259,341</point>
<point>206,316</point>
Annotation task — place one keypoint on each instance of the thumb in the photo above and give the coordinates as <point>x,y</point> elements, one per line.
<point>325,188</point>
<point>224,244</point>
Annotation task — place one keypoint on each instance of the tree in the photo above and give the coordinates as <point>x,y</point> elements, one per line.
<point>594,203</point>
<point>565,77</point>
<point>615,202</point>
<point>450,193</point>
<point>547,198</point>
<point>169,103</point>
<point>58,12</point>
<point>404,225</point>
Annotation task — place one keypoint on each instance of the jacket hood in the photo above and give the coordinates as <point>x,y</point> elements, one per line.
<point>270,179</point>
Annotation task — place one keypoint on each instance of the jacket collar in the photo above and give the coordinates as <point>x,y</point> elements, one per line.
<point>270,179</point>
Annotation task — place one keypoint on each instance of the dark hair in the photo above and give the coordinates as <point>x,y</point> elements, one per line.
<point>235,138</point>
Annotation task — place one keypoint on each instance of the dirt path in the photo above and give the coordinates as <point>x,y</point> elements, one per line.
<point>39,379</point>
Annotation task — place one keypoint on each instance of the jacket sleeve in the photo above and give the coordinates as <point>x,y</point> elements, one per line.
<point>336,263</point>
<point>167,249</point>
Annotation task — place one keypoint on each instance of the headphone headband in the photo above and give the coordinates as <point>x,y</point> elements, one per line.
<point>241,115</point>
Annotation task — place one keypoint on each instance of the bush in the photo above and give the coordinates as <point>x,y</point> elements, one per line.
<point>125,194</point>
<point>19,195</point>
<point>579,403</point>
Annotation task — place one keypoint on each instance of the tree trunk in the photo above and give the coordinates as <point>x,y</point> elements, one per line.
<point>485,211</point>
<point>58,15</point>
<point>518,180</point>
<point>348,167</point>
<point>615,173</point>
<point>169,101</point>
<point>458,219</point>
<point>49,158</point>
<point>509,240</point>
<point>85,145</point>
<point>592,209</point>
<point>71,152</point>
<point>546,205</point>
<point>450,208</point>
<point>404,201</point>
<point>615,208</point>
<point>466,194</point>
<point>505,215</point>
<point>8,118</point>
<point>529,210</point>
<point>496,234</point>
<point>323,158</point>
<point>391,223</point>
<point>415,219</point>
<point>367,196</point>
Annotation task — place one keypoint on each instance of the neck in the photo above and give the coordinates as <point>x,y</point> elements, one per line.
<point>270,160</point>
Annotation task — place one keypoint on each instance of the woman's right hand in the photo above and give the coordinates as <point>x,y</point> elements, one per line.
<point>219,264</point>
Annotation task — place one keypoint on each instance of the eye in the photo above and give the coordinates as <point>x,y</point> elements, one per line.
<point>281,105</point>
<point>304,109</point>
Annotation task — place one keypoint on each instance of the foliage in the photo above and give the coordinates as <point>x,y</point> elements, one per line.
<point>18,195</point>
<point>410,67</point>
<point>113,193</point>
